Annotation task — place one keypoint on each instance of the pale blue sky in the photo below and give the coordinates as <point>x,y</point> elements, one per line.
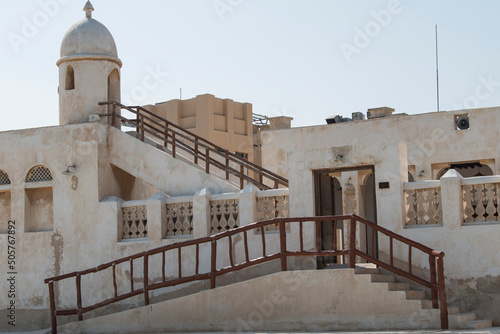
<point>308,59</point>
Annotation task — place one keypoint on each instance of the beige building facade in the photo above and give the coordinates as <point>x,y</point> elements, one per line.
<point>84,193</point>
<point>224,122</point>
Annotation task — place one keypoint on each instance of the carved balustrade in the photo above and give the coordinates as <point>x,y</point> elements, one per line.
<point>274,206</point>
<point>423,203</point>
<point>480,199</point>
<point>179,219</point>
<point>134,221</point>
<point>224,214</point>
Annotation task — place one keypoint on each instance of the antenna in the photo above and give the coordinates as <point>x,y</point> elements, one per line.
<point>180,89</point>
<point>437,70</point>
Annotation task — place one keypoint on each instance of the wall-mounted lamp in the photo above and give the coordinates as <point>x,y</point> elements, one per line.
<point>70,170</point>
<point>339,159</point>
<point>421,173</point>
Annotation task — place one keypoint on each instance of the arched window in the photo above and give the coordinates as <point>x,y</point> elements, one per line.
<point>114,92</point>
<point>4,178</point>
<point>39,174</point>
<point>70,78</point>
<point>5,201</point>
<point>38,207</point>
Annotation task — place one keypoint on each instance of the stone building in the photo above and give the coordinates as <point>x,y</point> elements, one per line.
<point>85,193</point>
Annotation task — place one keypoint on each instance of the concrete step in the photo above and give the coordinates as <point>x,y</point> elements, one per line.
<point>462,317</point>
<point>366,271</point>
<point>415,295</point>
<point>378,278</point>
<point>399,286</point>
<point>476,324</point>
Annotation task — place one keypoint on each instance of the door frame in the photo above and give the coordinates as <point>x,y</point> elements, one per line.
<point>318,208</point>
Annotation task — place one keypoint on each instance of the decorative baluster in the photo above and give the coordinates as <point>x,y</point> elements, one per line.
<point>411,202</point>
<point>178,222</point>
<point>133,218</point>
<point>142,220</point>
<point>479,197</point>
<point>421,211</point>
<point>224,218</point>
<point>490,198</point>
<point>431,211</point>
<point>233,214</point>
<point>126,223</point>
<point>170,220</point>
<point>215,213</point>
<point>188,219</point>
<point>468,208</point>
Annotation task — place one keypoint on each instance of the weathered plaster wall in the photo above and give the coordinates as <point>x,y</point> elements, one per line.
<point>390,145</point>
<point>85,230</point>
<point>167,174</point>
<point>290,301</point>
<point>431,139</point>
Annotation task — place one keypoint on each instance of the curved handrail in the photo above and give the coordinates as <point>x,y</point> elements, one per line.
<point>435,281</point>
<point>169,133</point>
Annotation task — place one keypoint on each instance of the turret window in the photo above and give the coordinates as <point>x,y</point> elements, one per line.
<point>70,78</point>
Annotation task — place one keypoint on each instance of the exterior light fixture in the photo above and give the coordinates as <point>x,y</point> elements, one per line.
<point>70,170</point>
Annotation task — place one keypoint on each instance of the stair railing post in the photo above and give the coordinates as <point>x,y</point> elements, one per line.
<point>213,270</point>
<point>137,122</point>
<point>173,144</point>
<point>146,279</point>
<point>165,142</point>
<point>352,244</point>
<point>196,150</point>
<point>242,176</point>
<point>282,227</point>
<point>443,304</point>
<point>79,296</point>
<point>207,162</point>
<point>53,317</point>
<point>142,128</point>
<point>434,286</point>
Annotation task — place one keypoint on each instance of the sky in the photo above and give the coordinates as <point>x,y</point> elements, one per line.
<point>308,59</point>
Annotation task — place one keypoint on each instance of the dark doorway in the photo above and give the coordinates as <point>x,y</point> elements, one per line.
<point>329,201</point>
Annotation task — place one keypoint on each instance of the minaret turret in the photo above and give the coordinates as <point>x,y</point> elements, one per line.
<point>89,70</point>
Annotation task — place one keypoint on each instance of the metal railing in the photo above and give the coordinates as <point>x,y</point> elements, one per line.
<point>434,279</point>
<point>200,150</point>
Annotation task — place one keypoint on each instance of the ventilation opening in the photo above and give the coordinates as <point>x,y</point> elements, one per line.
<point>39,174</point>
<point>70,78</point>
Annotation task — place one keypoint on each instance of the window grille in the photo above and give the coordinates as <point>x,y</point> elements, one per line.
<point>4,178</point>
<point>38,174</point>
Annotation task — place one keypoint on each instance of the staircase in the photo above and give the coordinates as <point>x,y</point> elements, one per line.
<point>207,259</point>
<point>193,149</point>
<point>457,320</point>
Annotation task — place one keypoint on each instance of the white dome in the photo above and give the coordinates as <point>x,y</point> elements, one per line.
<point>88,39</point>
<point>88,36</point>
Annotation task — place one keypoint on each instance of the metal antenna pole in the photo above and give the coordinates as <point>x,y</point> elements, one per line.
<point>437,70</point>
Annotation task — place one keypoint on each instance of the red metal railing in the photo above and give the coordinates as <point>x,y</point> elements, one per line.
<point>200,150</point>
<point>434,278</point>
